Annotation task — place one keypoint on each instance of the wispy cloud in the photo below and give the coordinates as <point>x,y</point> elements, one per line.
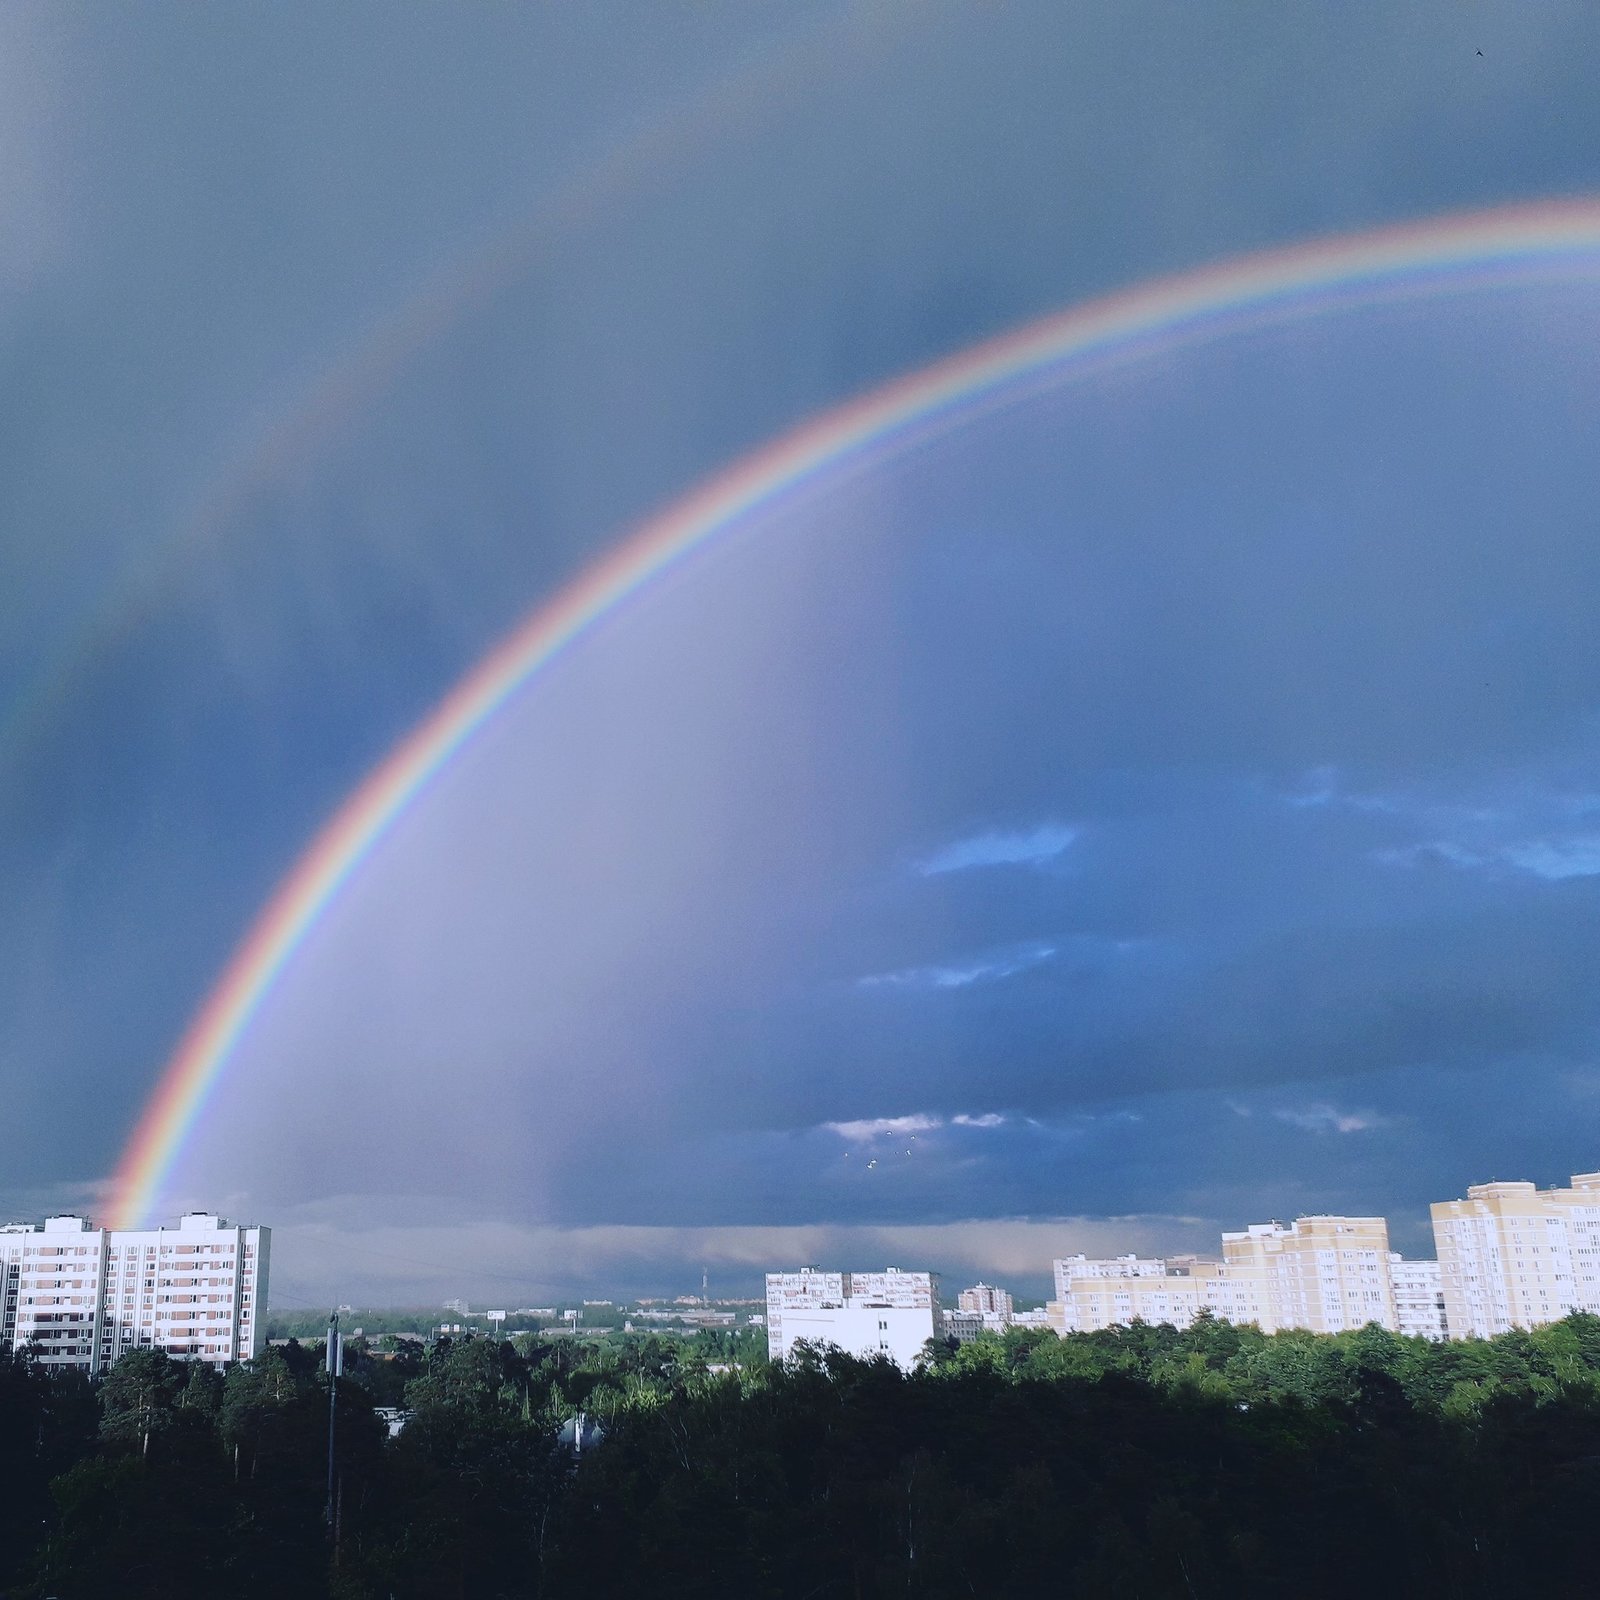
<point>1002,964</point>
<point>1327,1119</point>
<point>869,1130</point>
<point>1528,828</point>
<point>1577,857</point>
<point>866,1129</point>
<point>993,849</point>
<point>1430,851</point>
<point>1552,859</point>
<point>1321,788</point>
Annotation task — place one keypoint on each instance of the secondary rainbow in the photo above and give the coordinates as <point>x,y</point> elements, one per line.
<point>1415,258</point>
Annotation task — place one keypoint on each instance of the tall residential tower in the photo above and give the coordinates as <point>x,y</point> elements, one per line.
<point>82,1296</point>
<point>1513,1256</point>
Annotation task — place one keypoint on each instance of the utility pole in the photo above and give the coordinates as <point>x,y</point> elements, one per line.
<point>335,1367</point>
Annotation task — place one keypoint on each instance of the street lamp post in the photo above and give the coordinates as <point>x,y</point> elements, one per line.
<point>335,1368</point>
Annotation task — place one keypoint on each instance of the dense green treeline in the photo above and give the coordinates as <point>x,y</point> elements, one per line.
<point>1140,1462</point>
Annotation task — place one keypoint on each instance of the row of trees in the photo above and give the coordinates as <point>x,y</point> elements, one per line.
<point>1141,1462</point>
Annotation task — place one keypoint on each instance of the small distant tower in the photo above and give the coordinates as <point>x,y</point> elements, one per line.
<point>705,1286</point>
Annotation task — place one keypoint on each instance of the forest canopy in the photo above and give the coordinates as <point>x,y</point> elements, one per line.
<point>1141,1461</point>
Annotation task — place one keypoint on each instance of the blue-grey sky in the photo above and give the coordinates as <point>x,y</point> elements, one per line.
<point>1166,805</point>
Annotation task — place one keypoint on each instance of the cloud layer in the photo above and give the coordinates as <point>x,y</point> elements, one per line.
<point>500,1263</point>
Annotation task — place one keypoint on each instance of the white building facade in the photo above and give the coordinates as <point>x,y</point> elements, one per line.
<point>53,1278</point>
<point>82,1296</point>
<point>1418,1298</point>
<point>890,1313</point>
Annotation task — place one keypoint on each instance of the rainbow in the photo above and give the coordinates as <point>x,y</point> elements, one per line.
<point>1468,250</point>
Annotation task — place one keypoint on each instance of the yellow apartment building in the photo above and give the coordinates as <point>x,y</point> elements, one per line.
<point>1515,1256</point>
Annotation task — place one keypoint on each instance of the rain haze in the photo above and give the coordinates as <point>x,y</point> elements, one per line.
<point>1160,795</point>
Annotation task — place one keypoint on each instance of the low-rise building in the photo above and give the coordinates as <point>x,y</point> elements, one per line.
<point>963,1326</point>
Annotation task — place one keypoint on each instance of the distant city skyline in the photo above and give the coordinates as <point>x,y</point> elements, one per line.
<point>1489,1272</point>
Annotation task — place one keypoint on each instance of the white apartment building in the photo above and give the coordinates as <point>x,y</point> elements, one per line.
<point>53,1277</point>
<point>195,1290</point>
<point>1071,1270</point>
<point>1418,1298</point>
<point>82,1296</point>
<point>1513,1256</point>
<point>890,1313</point>
<point>10,1273</point>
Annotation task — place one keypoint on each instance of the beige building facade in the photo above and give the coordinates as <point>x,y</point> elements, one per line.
<point>988,1302</point>
<point>1094,1294</point>
<point>1515,1256</point>
<point>1328,1274</point>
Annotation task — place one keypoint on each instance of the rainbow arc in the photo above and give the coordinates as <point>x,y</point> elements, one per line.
<point>1475,250</point>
